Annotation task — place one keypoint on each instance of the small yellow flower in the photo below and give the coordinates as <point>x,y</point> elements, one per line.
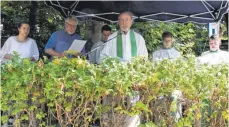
<point>225,115</point>
<point>198,115</point>
<point>56,61</point>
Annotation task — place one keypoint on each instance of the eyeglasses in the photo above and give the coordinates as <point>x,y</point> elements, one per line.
<point>124,20</point>
<point>71,25</point>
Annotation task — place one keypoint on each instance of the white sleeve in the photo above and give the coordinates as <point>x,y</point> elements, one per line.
<point>5,49</point>
<point>105,52</point>
<point>107,49</point>
<point>227,58</point>
<point>98,52</point>
<point>153,56</point>
<point>178,54</point>
<point>142,48</point>
<point>92,55</point>
<point>35,52</point>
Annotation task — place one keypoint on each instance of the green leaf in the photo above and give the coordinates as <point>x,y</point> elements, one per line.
<point>24,117</point>
<point>4,118</point>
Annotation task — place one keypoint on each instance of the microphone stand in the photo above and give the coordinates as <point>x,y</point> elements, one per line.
<point>102,44</point>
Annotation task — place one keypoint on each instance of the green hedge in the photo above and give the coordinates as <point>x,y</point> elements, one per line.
<point>69,91</point>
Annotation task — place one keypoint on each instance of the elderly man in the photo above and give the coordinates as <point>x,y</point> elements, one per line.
<point>61,41</point>
<point>95,55</point>
<point>215,55</point>
<point>167,51</point>
<point>126,43</point>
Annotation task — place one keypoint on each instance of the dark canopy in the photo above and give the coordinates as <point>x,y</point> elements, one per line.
<point>168,11</point>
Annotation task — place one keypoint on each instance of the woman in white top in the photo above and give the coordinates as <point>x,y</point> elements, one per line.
<point>26,47</point>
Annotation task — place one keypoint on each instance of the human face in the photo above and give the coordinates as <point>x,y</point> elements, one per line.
<point>214,45</point>
<point>167,42</point>
<point>125,22</point>
<point>70,26</point>
<point>106,34</point>
<point>24,30</point>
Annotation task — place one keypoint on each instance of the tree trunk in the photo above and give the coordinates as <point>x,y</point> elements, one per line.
<point>226,19</point>
<point>32,17</point>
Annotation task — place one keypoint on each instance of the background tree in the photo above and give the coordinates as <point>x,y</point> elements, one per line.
<point>33,16</point>
<point>190,38</point>
<point>43,20</point>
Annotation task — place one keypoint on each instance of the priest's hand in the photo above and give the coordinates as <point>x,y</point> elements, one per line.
<point>61,55</point>
<point>32,59</point>
<point>8,56</point>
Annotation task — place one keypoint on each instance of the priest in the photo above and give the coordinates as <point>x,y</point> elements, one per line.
<point>125,43</point>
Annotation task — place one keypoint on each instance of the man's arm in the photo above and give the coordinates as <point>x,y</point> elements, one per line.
<point>7,56</point>
<point>154,56</point>
<point>49,48</point>
<point>142,48</point>
<point>53,53</point>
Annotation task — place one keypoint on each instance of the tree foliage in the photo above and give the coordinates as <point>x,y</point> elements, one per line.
<point>189,38</point>
<point>48,20</point>
<point>72,89</point>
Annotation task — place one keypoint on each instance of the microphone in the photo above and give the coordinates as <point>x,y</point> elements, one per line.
<point>122,32</point>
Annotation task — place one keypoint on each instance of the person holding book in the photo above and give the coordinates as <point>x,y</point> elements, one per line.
<point>60,41</point>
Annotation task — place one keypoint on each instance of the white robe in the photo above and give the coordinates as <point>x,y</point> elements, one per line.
<point>214,58</point>
<point>26,49</point>
<point>165,54</point>
<point>110,48</point>
<point>95,55</point>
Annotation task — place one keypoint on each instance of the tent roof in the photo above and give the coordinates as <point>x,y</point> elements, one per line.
<point>168,11</point>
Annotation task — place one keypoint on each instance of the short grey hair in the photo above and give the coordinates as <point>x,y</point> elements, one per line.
<point>126,12</point>
<point>72,17</point>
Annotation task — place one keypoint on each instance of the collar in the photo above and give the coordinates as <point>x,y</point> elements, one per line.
<point>166,48</point>
<point>214,51</point>
<point>127,32</point>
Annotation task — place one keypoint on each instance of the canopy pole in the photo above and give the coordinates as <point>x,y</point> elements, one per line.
<point>62,8</point>
<point>208,9</point>
<point>221,6</point>
<point>74,7</point>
